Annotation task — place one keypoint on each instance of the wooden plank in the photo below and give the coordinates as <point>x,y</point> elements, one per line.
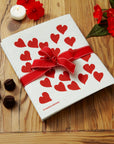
<point>10,120</point>
<point>4,6</point>
<point>58,138</point>
<point>93,113</point>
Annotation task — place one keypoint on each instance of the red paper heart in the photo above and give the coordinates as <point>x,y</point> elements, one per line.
<point>98,76</point>
<point>60,87</point>
<point>42,45</point>
<point>50,73</point>
<point>20,43</point>
<point>56,51</point>
<point>25,56</point>
<point>46,82</point>
<point>33,43</point>
<point>83,78</point>
<point>55,37</point>
<point>87,57</point>
<point>64,77</point>
<point>73,86</point>
<point>62,29</point>
<point>89,68</point>
<point>44,98</point>
<point>70,41</point>
<point>26,68</point>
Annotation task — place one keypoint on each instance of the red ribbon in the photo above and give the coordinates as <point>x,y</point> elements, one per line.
<point>50,60</point>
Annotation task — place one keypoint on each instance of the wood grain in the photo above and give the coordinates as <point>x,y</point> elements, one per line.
<point>94,113</point>
<point>58,138</point>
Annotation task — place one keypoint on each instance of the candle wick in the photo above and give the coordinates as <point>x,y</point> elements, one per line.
<point>17,8</point>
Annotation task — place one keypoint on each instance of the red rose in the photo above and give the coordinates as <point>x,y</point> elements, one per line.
<point>35,10</point>
<point>98,13</point>
<point>25,3</point>
<point>110,19</point>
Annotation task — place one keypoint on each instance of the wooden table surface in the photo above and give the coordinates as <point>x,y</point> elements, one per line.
<point>90,120</point>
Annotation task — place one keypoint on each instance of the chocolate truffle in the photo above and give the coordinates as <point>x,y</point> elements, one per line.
<point>9,102</point>
<point>9,84</point>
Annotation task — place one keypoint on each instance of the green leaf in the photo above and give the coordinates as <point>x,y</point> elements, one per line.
<point>105,14</point>
<point>112,3</point>
<point>99,30</point>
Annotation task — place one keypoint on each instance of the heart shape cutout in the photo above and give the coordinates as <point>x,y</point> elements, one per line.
<point>46,82</point>
<point>20,43</point>
<point>73,86</point>
<point>33,43</point>
<point>89,68</point>
<point>60,87</point>
<point>26,68</point>
<point>25,56</point>
<point>42,45</point>
<point>70,41</point>
<point>45,98</point>
<point>62,29</point>
<point>50,73</point>
<point>98,76</point>
<point>83,78</point>
<point>86,58</point>
<point>64,77</point>
<point>55,37</point>
<point>56,51</point>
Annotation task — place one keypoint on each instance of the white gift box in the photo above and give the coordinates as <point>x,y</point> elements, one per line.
<point>54,91</point>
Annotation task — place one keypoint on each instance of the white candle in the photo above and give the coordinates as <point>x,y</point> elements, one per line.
<point>18,12</point>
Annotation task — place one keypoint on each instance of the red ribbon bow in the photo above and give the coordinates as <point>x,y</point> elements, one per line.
<point>50,60</point>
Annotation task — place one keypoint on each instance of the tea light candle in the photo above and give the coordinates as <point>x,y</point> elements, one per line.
<point>18,12</point>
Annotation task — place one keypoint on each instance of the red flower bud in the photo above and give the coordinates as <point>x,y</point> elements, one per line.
<point>110,19</point>
<point>98,13</point>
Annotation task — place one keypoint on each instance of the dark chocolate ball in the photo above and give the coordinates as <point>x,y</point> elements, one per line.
<point>9,102</point>
<point>9,84</point>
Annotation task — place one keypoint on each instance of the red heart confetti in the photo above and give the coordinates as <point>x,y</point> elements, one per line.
<point>26,68</point>
<point>89,68</point>
<point>25,56</point>
<point>46,82</point>
<point>20,43</point>
<point>56,51</point>
<point>70,41</point>
<point>50,73</point>
<point>98,76</point>
<point>42,45</point>
<point>62,29</point>
<point>64,77</point>
<point>83,78</point>
<point>45,98</point>
<point>73,86</point>
<point>55,37</point>
<point>86,58</point>
<point>60,87</point>
<point>33,43</point>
